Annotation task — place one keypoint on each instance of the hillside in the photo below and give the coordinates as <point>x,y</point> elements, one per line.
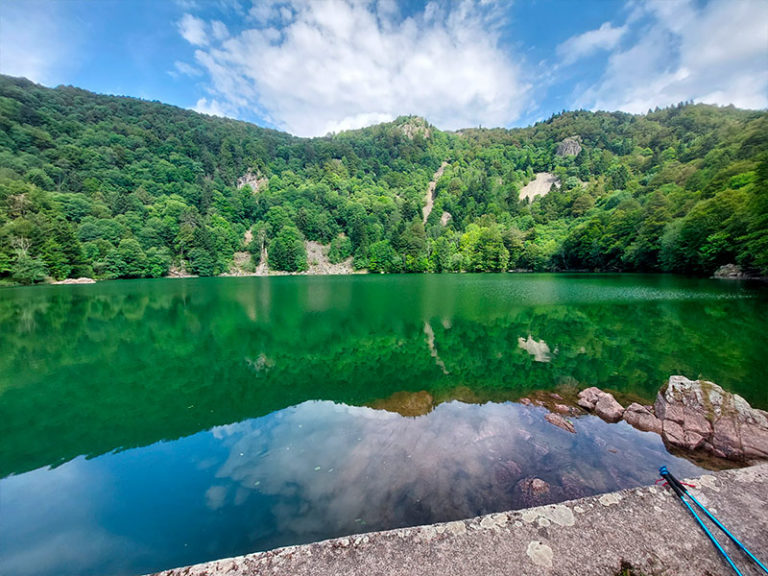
<point>113,187</point>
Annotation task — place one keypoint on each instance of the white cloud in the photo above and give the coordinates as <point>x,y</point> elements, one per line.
<point>35,42</point>
<point>219,30</point>
<point>716,53</point>
<point>577,47</point>
<point>212,107</point>
<point>187,69</point>
<point>315,67</point>
<point>193,30</point>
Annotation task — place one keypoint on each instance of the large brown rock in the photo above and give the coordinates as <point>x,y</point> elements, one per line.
<point>603,404</point>
<point>589,397</point>
<point>608,408</point>
<point>642,418</point>
<point>697,414</point>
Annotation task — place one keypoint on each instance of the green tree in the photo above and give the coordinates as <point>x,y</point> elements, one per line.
<point>287,251</point>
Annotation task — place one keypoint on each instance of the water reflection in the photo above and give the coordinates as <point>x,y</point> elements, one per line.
<point>335,467</point>
<point>308,472</point>
<point>125,364</point>
<point>538,349</point>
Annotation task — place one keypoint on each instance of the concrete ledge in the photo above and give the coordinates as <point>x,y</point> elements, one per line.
<point>645,528</point>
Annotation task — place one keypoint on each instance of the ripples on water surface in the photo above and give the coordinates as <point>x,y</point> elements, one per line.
<point>189,420</point>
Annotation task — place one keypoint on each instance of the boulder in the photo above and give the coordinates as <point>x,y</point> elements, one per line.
<point>589,397</point>
<point>603,404</point>
<point>608,408</point>
<point>697,414</point>
<point>642,418</point>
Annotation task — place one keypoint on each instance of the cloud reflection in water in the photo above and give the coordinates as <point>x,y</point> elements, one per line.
<point>309,472</point>
<point>327,469</point>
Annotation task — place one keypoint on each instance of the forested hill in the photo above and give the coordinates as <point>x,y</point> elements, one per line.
<point>110,187</point>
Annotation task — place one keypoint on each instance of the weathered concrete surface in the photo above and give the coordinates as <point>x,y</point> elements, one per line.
<point>647,528</point>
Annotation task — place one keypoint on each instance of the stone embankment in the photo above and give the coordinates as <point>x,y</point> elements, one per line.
<point>639,531</point>
<point>692,415</point>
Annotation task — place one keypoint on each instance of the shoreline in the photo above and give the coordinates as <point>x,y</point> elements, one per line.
<point>365,272</point>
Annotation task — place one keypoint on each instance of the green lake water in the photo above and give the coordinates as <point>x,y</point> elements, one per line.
<point>148,424</point>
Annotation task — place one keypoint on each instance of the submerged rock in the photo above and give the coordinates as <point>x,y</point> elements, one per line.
<point>560,422</point>
<point>532,491</point>
<point>696,414</point>
<point>506,473</point>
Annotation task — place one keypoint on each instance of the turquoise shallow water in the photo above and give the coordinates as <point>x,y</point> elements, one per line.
<point>147,424</point>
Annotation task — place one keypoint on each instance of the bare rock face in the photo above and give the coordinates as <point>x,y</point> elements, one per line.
<point>696,414</point>
<point>76,281</point>
<point>255,180</point>
<point>569,147</point>
<point>415,125</point>
<point>603,404</point>
<point>729,271</point>
<point>642,418</point>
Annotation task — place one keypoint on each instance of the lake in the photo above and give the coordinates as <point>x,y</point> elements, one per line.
<point>153,423</point>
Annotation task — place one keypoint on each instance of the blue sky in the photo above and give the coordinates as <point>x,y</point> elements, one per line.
<point>311,67</point>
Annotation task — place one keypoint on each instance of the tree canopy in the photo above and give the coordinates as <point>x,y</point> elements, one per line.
<point>113,187</point>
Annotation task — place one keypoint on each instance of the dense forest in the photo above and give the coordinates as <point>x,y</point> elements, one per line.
<point>114,187</point>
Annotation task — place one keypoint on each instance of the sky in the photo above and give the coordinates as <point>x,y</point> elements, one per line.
<point>313,67</point>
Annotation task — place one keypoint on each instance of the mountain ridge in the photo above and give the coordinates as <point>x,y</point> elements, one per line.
<point>113,186</point>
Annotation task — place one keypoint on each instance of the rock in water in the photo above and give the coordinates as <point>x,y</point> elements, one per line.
<point>696,414</point>
<point>589,397</point>
<point>531,491</point>
<point>608,408</point>
<point>603,403</point>
<point>642,418</point>
<point>560,422</point>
